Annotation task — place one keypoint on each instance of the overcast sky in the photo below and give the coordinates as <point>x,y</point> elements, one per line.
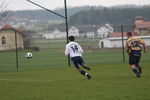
<point>53,4</point>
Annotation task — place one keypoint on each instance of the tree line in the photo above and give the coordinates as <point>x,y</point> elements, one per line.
<point>114,15</point>
<point>94,15</point>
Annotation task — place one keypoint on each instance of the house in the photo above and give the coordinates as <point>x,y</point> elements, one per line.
<point>90,35</point>
<point>48,35</point>
<point>85,31</point>
<point>104,31</point>
<point>92,31</point>
<point>73,31</point>
<point>59,33</point>
<point>8,39</point>
<point>77,31</point>
<point>54,33</point>
<point>116,42</point>
<point>141,27</point>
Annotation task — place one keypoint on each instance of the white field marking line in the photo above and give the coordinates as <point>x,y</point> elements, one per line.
<point>26,80</point>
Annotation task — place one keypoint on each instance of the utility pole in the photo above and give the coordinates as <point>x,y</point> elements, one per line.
<point>16,49</point>
<point>122,30</point>
<point>66,18</point>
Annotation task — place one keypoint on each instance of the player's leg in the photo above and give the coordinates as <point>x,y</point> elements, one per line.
<point>76,62</point>
<point>83,64</point>
<point>135,70</point>
<point>86,67</point>
<point>84,73</point>
<point>138,65</point>
<point>132,62</point>
<point>139,68</point>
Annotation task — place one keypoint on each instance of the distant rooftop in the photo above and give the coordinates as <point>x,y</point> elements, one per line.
<point>7,27</point>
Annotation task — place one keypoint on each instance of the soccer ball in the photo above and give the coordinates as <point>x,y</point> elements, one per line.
<point>29,55</point>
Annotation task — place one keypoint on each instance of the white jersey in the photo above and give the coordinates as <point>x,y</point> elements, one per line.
<point>73,49</point>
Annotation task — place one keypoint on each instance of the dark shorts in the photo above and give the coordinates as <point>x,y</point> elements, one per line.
<point>134,57</point>
<point>78,61</point>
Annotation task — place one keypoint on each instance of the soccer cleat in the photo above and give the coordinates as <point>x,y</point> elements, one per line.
<point>88,77</point>
<point>86,67</point>
<point>138,75</point>
<point>140,70</point>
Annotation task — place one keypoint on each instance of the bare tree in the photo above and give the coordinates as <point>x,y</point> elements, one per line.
<point>3,11</point>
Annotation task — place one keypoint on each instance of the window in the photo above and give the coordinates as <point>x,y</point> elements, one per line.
<point>3,39</point>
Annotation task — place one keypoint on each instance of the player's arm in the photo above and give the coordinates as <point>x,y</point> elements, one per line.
<point>127,47</point>
<point>145,48</point>
<point>80,49</point>
<point>67,51</point>
<point>144,45</point>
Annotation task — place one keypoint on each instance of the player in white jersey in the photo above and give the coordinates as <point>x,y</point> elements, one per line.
<point>75,51</point>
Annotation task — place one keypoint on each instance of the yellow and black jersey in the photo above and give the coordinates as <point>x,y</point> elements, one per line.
<point>134,43</point>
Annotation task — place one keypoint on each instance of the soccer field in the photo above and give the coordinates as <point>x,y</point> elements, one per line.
<point>111,79</point>
<point>109,82</point>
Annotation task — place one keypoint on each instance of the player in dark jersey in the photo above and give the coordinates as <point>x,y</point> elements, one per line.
<point>133,48</point>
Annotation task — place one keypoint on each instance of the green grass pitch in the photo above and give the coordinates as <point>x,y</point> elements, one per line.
<point>49,78</point>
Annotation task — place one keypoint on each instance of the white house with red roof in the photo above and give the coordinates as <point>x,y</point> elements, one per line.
<point>115,39</point>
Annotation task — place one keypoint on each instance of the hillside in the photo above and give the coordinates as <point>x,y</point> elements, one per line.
<point>95,15</point>
<point>113,15</point>
<point>45,15</point>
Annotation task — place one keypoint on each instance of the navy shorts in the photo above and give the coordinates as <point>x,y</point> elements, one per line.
<point>78,61</point>
<point>134,57</point>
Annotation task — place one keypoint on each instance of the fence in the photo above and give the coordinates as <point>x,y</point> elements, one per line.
<point>49,52</point>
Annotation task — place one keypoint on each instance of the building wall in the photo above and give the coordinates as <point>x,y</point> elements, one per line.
<point>102,32</point>
<point>73,31</point>
<point>117,42</point>
<point>104,43</point>
<point>48,36</point>
<point>10,40</point>
<point>58,34</point>
<point>108,43</point>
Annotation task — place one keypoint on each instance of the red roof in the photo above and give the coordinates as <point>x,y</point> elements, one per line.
<point>9,27</point>
<point>145,24</point>
<point>119,34</point>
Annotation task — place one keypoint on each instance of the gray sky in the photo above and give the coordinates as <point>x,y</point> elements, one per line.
<point>52,4</point>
